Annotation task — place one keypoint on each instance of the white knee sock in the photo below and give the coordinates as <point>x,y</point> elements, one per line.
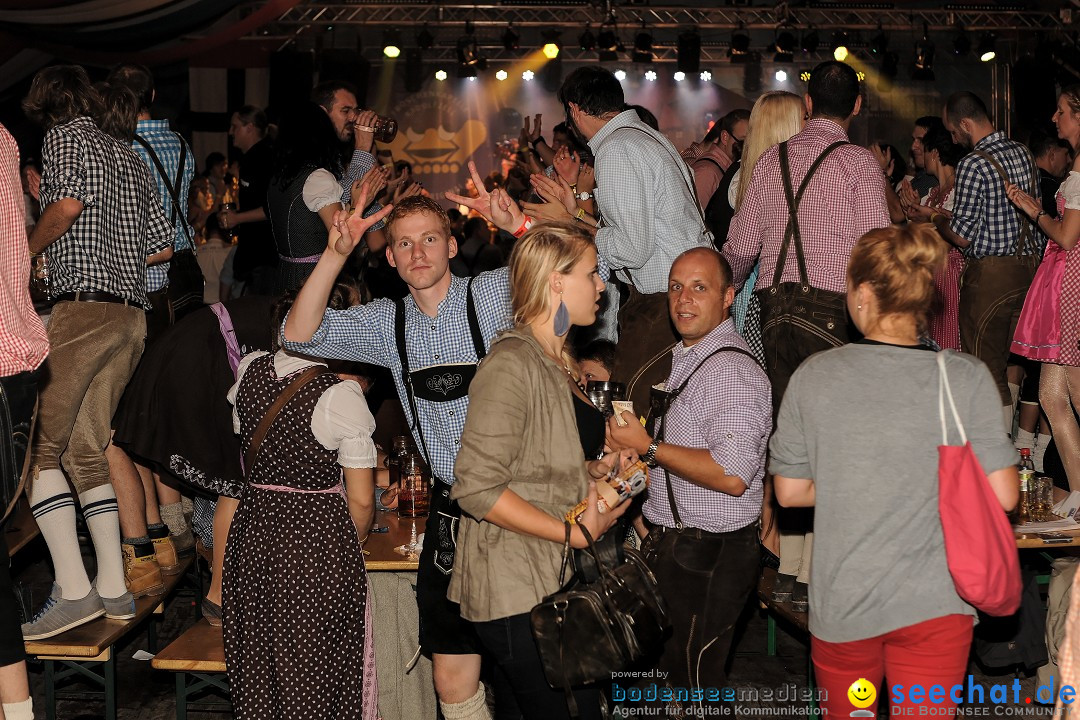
<point>1024,439</point>
<point>1037,455</point>
<point>54,510</point>
<point>475,708</point>
<point>103,521</point>
<point>20,711</point>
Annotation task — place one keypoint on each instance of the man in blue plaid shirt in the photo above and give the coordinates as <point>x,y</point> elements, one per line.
<point>1002,247</point>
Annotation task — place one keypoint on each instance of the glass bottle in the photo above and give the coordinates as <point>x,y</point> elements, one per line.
<point>1025,508</point>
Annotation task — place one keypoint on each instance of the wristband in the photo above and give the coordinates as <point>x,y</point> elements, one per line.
<point>525,225</point>
<point>934,215</point>
<point>1041,213</point>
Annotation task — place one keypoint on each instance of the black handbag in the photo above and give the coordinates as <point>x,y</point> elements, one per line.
<point>586,631</point>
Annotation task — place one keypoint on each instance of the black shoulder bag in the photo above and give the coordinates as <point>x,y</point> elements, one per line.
<point>586,631</point>
<point>185,289</point>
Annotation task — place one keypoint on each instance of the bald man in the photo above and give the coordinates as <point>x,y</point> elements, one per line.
<point>707,459</point>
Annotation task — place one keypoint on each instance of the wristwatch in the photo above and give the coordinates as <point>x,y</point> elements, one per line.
<point>649,458</point>
<point>583,195</point>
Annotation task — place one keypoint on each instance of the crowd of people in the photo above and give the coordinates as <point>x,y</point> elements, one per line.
<point>774,297</point>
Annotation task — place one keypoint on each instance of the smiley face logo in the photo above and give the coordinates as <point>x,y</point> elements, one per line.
<point>862,693</point>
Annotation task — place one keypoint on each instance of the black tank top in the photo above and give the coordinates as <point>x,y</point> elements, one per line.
<point>590,423</point>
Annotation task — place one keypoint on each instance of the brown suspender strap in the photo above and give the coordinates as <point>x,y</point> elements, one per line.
<point>286,395</point>
<point>1024,220</point>
<point>793,200</point>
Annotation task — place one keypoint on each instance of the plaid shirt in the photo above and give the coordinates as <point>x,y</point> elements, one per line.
<point>844,200</point>
<point>649,214</point>
<point>982,214</point>
<point>121,223</point>
<point>725,409</point>
<point>166,144</point>
<point>23,342</point>
<point>366,333</point>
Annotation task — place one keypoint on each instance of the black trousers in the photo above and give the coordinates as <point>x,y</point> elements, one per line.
<point>509,643</point>
<point>21,394</point>
<point>706,579</point>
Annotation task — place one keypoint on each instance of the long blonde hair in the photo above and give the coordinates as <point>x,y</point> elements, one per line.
<point>776,117</point>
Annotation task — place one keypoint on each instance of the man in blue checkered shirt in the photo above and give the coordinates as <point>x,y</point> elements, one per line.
<point>1002,247</point>
<point>442,342</point>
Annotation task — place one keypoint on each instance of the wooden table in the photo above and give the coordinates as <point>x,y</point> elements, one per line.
<point>380,554</point>
<point>1029,541</point>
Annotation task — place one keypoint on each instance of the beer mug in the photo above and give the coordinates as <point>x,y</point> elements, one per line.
<point>414,498</point>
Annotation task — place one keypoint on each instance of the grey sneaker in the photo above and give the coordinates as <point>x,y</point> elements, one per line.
<point>58,615</point>
<point>120,608</point>
<point>184,542</point>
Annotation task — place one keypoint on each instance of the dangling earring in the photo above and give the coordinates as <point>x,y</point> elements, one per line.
<point>562,318</point>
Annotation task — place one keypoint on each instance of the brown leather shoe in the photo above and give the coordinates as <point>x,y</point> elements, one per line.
<point>142,575</point>
<point>165,553</point>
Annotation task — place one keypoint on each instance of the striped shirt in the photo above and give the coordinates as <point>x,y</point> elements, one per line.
<point>23,342</point>
<point>726,409</point>
<point>982,213</point>
<point>121,224</point>
<point>844,200</point>
<point>167,145</point>
<point>649,215</point>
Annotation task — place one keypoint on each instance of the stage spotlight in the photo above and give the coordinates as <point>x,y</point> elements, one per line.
<point>643,47</point>
<point>839,45</point>
<point>784,47</point>
<point>961,44</point>
<point>620,75</point>
<point>501,75</point>
<point>705,76</point>
<point>781,76</point>
<point>650,75</point>
<point>424,39</point>
<point>552,45</point>
<point>472,78</point>
<point>740,46</point>
<point>511,38</point>
<point>440,75</point>
<point>805,76</point>
<point>391,44</point>
<point>551,51</point>
<point>587,40</point>
<point>860,76</point>
<point>528,75</point>
<point>607,43</point>
<point>879,43</point>
<point>924,57</point>
<point>468,53</point>
<point>810,42</point>
<point>679,76</point>
<point>689,52</point>
<point>987,47</point>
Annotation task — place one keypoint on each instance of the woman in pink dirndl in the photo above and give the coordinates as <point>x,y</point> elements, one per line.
<point>1049,326</point>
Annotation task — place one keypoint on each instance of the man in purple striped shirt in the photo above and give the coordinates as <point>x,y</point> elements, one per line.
<point>708,462</point>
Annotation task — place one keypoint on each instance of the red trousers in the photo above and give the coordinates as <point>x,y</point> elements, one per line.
<point>934,652</point>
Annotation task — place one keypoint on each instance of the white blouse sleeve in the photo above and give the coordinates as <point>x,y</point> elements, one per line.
<point>343,422</point>
<point>321,189</point>
<point>733,188</point>
<point>240,370</point>
<point>1070,189</point>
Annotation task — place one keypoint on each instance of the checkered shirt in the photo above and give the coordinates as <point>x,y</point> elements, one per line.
<point>844,200</point>
<point>122,222</point>
<point>366,333</point>
<point>649,214</point>
<point>23,343</point>
<point>982,214</point>
<point>725,409</point>
<point>166,144</point>
<point>361,163</point>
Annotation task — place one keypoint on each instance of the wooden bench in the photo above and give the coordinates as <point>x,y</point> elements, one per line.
<point>80,650</point>
<point>200,653</point>
<point>21,528</point>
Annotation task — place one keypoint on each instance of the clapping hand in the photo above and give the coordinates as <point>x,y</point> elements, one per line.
<point>1027,204</point>
<point>498,208</point>
<point>559,202</point>
<point>376,179</point>
<point>567,164</point>
<point>531,134</point>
